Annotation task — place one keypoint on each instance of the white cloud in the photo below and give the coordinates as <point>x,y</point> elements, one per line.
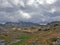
<point>17,2</point>
<point>14,2</point>
<point>5,3</point>
<point>30,2</point>
<point>35,3</point>
<point>22,3</point>
<point>41,1</point>
<point>25,15</point>
<point>53,10</point>
<point>50,1</point>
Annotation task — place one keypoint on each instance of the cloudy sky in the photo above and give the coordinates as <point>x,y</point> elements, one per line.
<point>37,11</point>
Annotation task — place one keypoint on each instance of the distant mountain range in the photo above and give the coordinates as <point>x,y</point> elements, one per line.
<point>28,24</point>
<point>21,24</point>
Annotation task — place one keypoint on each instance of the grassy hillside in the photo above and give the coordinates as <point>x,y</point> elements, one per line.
<point>38,35</point>
<point>41,38</point>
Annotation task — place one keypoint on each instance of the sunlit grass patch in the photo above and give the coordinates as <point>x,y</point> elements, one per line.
<point>22,39</point>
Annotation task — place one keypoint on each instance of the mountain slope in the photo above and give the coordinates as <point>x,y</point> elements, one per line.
<point>21,24</point>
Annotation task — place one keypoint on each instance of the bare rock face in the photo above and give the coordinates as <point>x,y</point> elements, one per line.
<point>57,41</point>
<point>1,42</point>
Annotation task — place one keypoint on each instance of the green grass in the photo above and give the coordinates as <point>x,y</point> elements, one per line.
<point>23,38</point>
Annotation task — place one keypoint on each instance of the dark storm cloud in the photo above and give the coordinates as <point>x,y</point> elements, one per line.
<point>44,12</point>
